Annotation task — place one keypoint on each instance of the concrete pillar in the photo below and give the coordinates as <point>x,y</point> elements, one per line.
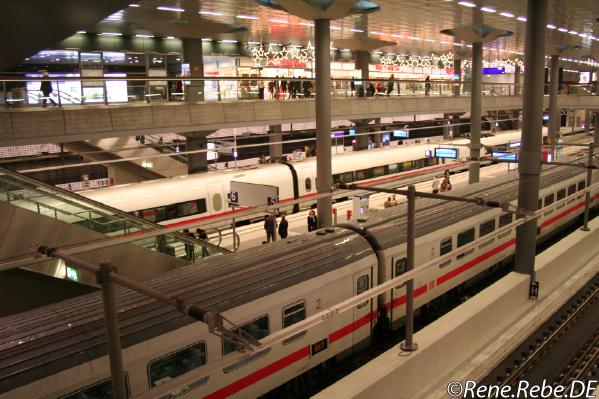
<point>596,129</point>
<point>457,76</point>
<point>378,138</point>
<point>361,140</point>
<point>276,146</point>
<point>198,162</point>
<point>475,112</point>
<point>324,172</point>
<point>362,64</point>
<point>587,121</point>
<point>446,129</point>
<point>554,117</point>
<point>193,54</point>
<point>529,164</point>
<point>517,90</point>
<point>516,118</point>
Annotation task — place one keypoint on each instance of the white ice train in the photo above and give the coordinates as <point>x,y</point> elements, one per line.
<point>59,351</point>
<point>201,197</point>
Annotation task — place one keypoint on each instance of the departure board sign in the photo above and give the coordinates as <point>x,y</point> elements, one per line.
<point>508,156</point>
<point>515,144</point>
<point>450,153</point>
<point>402,134</point>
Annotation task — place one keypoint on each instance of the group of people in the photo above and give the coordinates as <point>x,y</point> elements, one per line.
<point>280,89</point>
<point>391,201</point>
<point>200,234</point>
<point>444,186</point>
<point>271,229</point>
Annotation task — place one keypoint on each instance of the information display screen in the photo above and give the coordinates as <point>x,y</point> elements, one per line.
<point>515,144</point>
<point>451,153</point>
<point>404,134</point>
<point>508,156</point>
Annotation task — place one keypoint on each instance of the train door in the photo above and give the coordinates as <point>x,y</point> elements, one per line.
<point>362,311</point>
<point>399,265</point>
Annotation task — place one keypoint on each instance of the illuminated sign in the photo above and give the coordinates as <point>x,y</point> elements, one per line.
<point>514,144</point>
<point>319,346</point>
<point>72,273</point>
<point>428,153</point>
<point>352,132</point>
<point>404,134</point>
<point>508,156</point>
<point>451,153</point>
<point>493,71</point>
<point>585,77</point>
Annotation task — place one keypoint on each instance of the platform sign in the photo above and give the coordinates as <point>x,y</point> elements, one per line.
<point>404,134</point>
<point>515,144</point>
<point>508,156</point>
<point>450,153</point>
<point>250,194</point>
<point>533,292</point>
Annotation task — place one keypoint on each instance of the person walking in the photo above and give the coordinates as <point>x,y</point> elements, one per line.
<point>390,84</point>
<point>46,89</point>
<point>427,86</point>
<point>202,235</point>
<point>261,89</point>
<point>436,185</point>
<point>283,227</point>
<point>189,246</point>
<point>270,228</point>
<point>312,221</point>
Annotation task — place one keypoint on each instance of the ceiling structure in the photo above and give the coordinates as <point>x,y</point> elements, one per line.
<point>415,25</point>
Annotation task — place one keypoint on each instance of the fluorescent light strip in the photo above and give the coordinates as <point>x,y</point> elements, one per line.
<point>522,19</point>
<point>356,30</point>
<point>488,9</point>
<point>335,27</point>
<point>573,32</point>
<point>241,16</point>
<point>377,33</point>
<point>562,29</point>
<point>396,35</point>
<point>306,23</point>
<point>206,39</point>
<point>253,42</point>
<point>175,9</point>
<point>466,4</point>
<point>506,14</point>
<point>217,13</point>
<point>82,32</point>
<point>228,41</point>
<point>551,26</point>
<point>111,34</point>
<point>144,35</point>
<point>133,5</point>
<point>170,37</point>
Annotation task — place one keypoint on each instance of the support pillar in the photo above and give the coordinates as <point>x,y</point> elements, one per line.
<point>516,119</point>
<point>193,54</point>
<point>361,140</point>
<point>596,129</point>
<point>457,76</point>
<point>529,164</point>
<point>517,90</point>
<point>587,121</point>
<point>198,162</point>
<point>378,138</point>
<point>475,112</point>
<point>324,175</point>
<point>554,117</point>
<point>276,143</point>
<point>362,64</point>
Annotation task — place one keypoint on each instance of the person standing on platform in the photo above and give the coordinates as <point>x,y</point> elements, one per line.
<point>46,89</point>
<point>427,86</point>
<point>283,227</point>
<point>284,89</point>
<point>388,203</point>
<point>436,185</point>
<point>188,246</point>
<point>390,84</point>
<point>270,228</point>
<point>394,200</point>
<point>312,221</point>
<point>202,235</point>
<point>261,89</point>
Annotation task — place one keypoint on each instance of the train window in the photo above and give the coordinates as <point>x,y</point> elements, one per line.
<point>446,246</point>
<point>581,185</point>
<point>465,237</point>
<point>346,177</point>
<point>308,184</point>
<point>258,329</point>
<point>571,189</point>
<point>505,219</point>
<point>561,194</point>
<point>378,171</point>
<point>217,202</point>
<point>99,390</point>
<point>393,168</point>
<point>294,313</point>
<point>549,199</point>
<point>177,363</point>
<point>362,284</point>
<point>401,265</point>
<point>187,208</point>
<point>487,227</point>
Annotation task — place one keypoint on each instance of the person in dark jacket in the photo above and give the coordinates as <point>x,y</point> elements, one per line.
<point>307,86</point>
<point>390,84</point>
<point>283,227</point>
<point>189,247</point>
<point>371,89</point>
<point>312,221</point>
<point>270,228</point>
<point>46,89</point>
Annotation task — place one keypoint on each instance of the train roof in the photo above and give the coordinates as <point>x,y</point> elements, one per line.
<point>46,340</point>
<point>388,226</point>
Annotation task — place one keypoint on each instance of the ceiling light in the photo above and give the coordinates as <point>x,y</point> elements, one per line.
<point>275,44</point>
<point>582,34</point>
<point>111,34</point>
<point>551,26</point>
<point>562,29</point>
<point>573,32</point>
<point>81,32</point>
<point>488,9</point>
<point>458,44</point>
<point>144,35</point>
<point>377,52</point>
<point>170,37</point>
<point>306,23</point>
<point>253,42</point>
<point>133,5</point>
<point>466,4</point>
<point>241,16</point>
<point>377,33</point>
<point>206,39</point>
<point>506,14</point>
<point>279,21</point>
<point>523,19</point>
<point>176,9</point>
<point>345,49</point>
<point>228,41</point>
<point>356,30</point>
<point>217,13</point>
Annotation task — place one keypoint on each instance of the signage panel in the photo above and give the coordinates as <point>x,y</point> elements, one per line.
<point>508,156</point>
<point>450,153</point>
<point>250,194</point>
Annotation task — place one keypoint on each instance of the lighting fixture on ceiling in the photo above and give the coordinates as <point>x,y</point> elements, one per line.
<point>206,39</point>
<point>551,26</point>
<point>82,32</point>
<point>522,19</point>
<point>111,34</point>
<point>396,35</point>
<point>506,14</point>
<point>253,42</point>
<point>573,32</point>
<point>278,21</point>
<point>148,36</point>
<point>170,37</point>
<point>228,41</point>
<point>216,13</point>
<point>306,24</point>
<point>241,16</point>
<point>333,27</point>
<point>488,9</point>
<point>356,30</point>
<point>466,4</point>
<point>377,33</point>
<point>133,5</point>
<point>562,29</point>
<point>175,9</point>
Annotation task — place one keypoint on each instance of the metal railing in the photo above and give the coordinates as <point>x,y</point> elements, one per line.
<point>17,92</point>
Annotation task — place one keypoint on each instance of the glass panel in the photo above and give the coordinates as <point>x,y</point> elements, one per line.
<point>549,199</point>
<point>393,168</point>
<point>505,219</point>
<point>487,227</point>
<point>446,246</point>
<point>293,314</point>
<point>378,171</point>
<point>362,284</point>
<point>101,390</point>
<point>581,185</point>
<point>258,329</point>
<point>176,364</point>
<point>217,202</point>
<point>572,189</point>
<point>561,194</point>
<point>465,237</point>
<point>308,184</point>
<point>401,266</point>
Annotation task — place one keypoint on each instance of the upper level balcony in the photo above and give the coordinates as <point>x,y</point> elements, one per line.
<point>113,107</point>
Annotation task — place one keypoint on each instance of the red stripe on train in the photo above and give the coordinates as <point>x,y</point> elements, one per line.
<point>342,332</point>
<point>260,374</point>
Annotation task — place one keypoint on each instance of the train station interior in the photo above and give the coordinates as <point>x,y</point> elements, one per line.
<point>299,199</point>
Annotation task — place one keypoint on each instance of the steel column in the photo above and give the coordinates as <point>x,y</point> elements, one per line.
<point>596,129</point>
<point>324,177</point>
<point>554,117</point>
<point>475,112</point>
<point>457,77</point>
<point>115,354</point>
<point>408,344</point>
<point>529,165</point>
<point>193,54</point>
<point>587,196</point>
